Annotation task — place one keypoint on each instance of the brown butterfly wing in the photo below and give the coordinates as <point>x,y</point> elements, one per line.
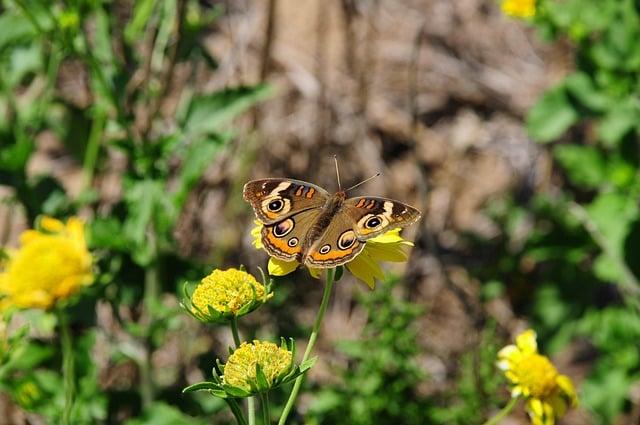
<point>284,239</point>
<point>338,244</point>
<point>359,219</point>
<point>276,199</point>
<point>373,216</point>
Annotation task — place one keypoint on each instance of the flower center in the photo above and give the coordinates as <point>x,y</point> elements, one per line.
<point>536,373</point>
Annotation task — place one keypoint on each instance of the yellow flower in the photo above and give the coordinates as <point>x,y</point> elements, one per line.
<point>241,369</point>
<point>533,377</point>
<point>224,294</point>
<point>519,8</point>
<point>365,266</point>
<point>52,264</point>
<point>254,367</point>
<point>27,394</point>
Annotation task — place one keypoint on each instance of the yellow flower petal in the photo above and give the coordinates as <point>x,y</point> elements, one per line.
<point>51,224</point>
<point>568,391</point>
<point>277,267</point>
<point>535,378</point>
<point>526,341</point>
<point>519,8</point>
<point>255,233</point>
<point>49,266</point>
<point>240,369</point>
<point>226,291</point>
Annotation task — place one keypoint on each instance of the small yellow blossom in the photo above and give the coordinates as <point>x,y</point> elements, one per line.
<point>240,370</point>
<point>27,394</point>
<point>365,266</point>
<point>52,264</point>
<point>226,293</point>
<point>533,377</point>
<point>519,8</point>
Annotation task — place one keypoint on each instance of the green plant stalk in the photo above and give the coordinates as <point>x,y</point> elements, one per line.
<point>93,147</point>
<point>251,410</point>
<point>234,331</point>
<point>266,412</point>
<point>251,404</point>
<point>237,412</point>
<point>150,302</point>
<point>495,420</point>
<point>68,371</point>
<point>312,341</point>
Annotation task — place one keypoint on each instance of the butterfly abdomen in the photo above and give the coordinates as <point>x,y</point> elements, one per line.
<point>329,210</point>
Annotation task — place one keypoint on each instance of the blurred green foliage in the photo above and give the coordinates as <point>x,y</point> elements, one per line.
<point>579,256</point>
<point>133,241</point>
<point>567,258</point>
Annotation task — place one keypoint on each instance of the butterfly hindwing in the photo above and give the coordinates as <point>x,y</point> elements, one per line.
<point>276,199</point>
<point>338,244</point>
<point>284,239</point>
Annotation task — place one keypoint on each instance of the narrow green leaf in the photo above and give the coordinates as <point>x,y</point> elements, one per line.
<point>201,386</point>
<point>208,113</point>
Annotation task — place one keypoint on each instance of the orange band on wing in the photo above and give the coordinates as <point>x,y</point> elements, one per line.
<point>361,202</point>
<point>279,245</point>
<point>310,193</point>
<point>331,255</point>
<point>299,191</point>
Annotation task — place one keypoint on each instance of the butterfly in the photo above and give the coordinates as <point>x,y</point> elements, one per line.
<point>303,222</point>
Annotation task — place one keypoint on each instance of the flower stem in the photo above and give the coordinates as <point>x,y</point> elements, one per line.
<point>68,372</point>
<point>266,413</point>
<point>150,301</point>
<point>312,341</point>
<point>251,404</point>
<point>251,410</point>
<point>234,331</point>
<point>503,413</point>
<point>235,409</point>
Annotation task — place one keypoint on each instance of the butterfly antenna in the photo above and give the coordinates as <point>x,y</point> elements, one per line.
<point>335,159</point>
<point>363,182</point>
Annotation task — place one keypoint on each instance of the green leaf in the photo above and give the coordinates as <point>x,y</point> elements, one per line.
<point>16,28</point>
<point>581,86</point>
<point>107,233</point>
<point>585,165</point>
<point>150,213</point>
<point>613,214</point>
<point>263,384</point>
<point>551,116</point>
<point>141,15</point>
<point>201,386</point>
<point>619,121</point>
<point>197,158</point>
<point>235,391</point>
<point>208,113</point>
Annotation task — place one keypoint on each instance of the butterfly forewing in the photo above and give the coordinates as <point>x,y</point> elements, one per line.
<point>373,216</point>
<point>276,199</point>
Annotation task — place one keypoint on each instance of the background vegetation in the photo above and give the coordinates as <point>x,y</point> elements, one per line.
<point>517,139</point>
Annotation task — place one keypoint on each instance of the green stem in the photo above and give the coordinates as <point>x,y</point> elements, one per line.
<point>68,372</point>
<point>93,147</point>
<point>235,408</point>
<point>251,410</point>
<point>150,301</point>
<point>251,404</point>
<point>312,341</point>
<point>503,413</point>
<point>264,403</point>
<point>234,331</point>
